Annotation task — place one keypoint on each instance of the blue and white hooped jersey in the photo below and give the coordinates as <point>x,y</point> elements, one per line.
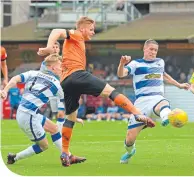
<point>147,76</point>
<point>38,88</point>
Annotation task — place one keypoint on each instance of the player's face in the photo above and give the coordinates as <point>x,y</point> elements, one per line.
<point>150,51</point>
<point>57,69</point>
<point>88,32</point>
<point>56,49</point>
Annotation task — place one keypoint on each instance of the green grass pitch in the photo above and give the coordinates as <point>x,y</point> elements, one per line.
<point>161,151</point>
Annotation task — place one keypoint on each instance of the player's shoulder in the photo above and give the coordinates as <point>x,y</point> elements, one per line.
<point>75,34</point>
<point>141,60</point>
<point>73,31</point>
<point>30,72</point>
<point>159,59</point>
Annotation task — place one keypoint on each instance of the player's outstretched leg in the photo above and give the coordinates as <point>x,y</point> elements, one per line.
<point>130,152</point>
<point>34,149</point>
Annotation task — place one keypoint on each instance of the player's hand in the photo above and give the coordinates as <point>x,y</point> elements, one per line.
<point>148,121</point>
<point>125,59</point>
<point>3,94</point>
<point>80,121</point>
<point>45,51</point>
<point>185,86</point>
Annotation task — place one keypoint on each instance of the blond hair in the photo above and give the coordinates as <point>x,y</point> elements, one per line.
<point>150,41</point>
<point>84,21</point>
<point>52,59</point>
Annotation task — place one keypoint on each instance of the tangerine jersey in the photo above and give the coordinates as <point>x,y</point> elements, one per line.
<point>74,57</point>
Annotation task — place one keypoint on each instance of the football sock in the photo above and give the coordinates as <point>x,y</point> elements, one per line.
<point>164,111</point>
<point>66,135</point>
<point>57,140</point>
<point>123,102</point>
<point>59,123</point>
<point>34,149</point>
<point>129,147</point>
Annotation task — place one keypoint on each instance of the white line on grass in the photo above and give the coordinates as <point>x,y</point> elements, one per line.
<point>87,142</point>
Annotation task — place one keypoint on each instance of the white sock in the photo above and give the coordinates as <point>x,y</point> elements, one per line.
<point>57,140</point>
<point>35,149</point>
<point>164,113</point>
<point>59,123</point>
<point>129,148</point>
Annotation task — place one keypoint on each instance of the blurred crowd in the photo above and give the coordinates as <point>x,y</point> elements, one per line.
<point>174,67</point>
<point>92,108</point>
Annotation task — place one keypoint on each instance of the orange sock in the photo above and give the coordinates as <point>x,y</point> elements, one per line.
<point>123,102</point>
<point>66,137</point>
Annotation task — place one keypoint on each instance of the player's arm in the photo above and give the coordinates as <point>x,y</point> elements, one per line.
<point>14,80</point>
<point>53,37</point>
<point>4,71</point>
<point>171,81</point>
<point>122,71</point>
<point>192,88</point>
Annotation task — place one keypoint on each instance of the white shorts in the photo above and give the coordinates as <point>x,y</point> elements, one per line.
<point>32,125</point>
<point>146,105</point>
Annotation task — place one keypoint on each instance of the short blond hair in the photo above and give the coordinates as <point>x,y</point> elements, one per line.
<point>150,41</point>
<point>52,59</point>
<point>84,20</point>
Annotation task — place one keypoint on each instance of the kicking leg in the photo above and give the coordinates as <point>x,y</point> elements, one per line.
<point>125,103</point>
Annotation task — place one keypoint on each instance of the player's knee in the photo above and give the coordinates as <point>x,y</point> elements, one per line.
<point>129,142</point>
<point>161,104</point>
<point>130,139</point>
<point>72,117</point>
<point>107,90</point>
<point>44,146</point>
<point>54,129</point>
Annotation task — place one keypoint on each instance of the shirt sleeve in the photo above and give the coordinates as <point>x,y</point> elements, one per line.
<point>163,65</point>
<point>131,67</point>
<point>74,35</point>
<point>192,79</point>
<point>27,75</point>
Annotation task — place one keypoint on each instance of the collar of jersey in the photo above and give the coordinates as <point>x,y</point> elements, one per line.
<point>151,61</point>
<point>51,73</point>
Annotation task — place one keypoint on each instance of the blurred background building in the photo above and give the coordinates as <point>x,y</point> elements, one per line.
<point>122,26</point>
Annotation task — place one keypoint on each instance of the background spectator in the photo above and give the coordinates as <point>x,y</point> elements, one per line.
<point>14,99</point>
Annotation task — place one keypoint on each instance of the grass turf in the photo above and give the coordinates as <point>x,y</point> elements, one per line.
<point>161,151</point>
